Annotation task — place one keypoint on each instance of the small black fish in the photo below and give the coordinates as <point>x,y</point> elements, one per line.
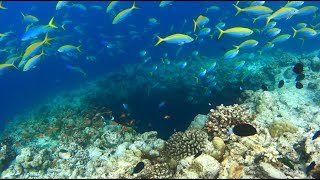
<point>138,167</point>
<point>299,85</point>
<point>264,87</point>
<point>281,83</point>
<point>244,130</point>
<point>300,77</point>
<point>198,154</point>
<point>317,134</point>
<point>310,167</point>
<point>298,68</point>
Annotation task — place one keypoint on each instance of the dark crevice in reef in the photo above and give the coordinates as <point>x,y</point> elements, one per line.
<point>175,115</point>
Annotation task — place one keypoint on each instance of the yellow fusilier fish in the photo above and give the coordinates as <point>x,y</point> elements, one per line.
<point>32,49</point>
<point>124,13</point>
<point>32,61</point>
<point>67,48</point>
<point>3,67</point>
<point>13,59</point>
<point>61,4</point>
<point>29,18</point>
<point>201,20</point>
<point>179,39</point>
<point>111,5</point>
<point>236,32</point>
<point>247,44</point>
<point>76,69</point>
<point>284,12</point>
<point>5,34</point>
<point>1,6</point>
<point>165,3</point>
<point>307,32</point>
<point>29,25</point>
<point>254,10</point>
<point>294,4</point>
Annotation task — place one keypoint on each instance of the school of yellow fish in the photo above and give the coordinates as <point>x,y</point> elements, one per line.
<point>34,48</point>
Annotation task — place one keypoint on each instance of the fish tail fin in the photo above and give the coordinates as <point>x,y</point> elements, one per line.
<point>207,10</point>
<point>134,6</point>
<point>312,26</point>
<point>159,40</point>
<point>238,9</point>
<point>78,48</point>
<point>237,47</point>
<point>43,53</point>
<point>294,32</point>
<point>47,39</point>
<point>51,23</point>
<point>220,32</point>
<point>269,42</point>
<point>254,20</point>
<point>63,27</point>
<point>268,20</point>
<point>302,41</point>
<point>14,65</point>
<point>1,6</point>
<point>197,79</point>
<point>196,37</point>
<point>194,25</point>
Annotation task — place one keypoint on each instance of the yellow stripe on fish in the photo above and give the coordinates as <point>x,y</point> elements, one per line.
<point>284,12</point>
<point>255,10</point>
<point>179,39</point>
<point>123,14</point>
<point>33,61</point>
<point>201,20</point>
<point>1,6</point>
<point>235,32</point>
<point>32,49</point>
<point>111,5</point>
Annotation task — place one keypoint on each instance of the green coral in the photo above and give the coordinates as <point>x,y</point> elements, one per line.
<point>183,144</point>
<point>278,127</point>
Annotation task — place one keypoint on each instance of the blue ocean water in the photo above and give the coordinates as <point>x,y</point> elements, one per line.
<point>116,45</point>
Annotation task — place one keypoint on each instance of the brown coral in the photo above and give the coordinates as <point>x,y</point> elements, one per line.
<point>224,117</point>
<point>278,128</point>
<point>183,144</point>
<point>157,171</point>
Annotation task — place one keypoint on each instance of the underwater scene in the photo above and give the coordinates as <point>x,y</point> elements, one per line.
<point>160,89</point>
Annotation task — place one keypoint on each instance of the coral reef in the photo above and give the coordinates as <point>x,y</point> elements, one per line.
<point>204,166</point>
<point>183,144</point>
<point>157,171</point>
<point>224,117</point>
<point>278,128</point>
<point>73,136</point>
<point>29,164</point>
<point>198,122</point>
<point>7,152</point>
